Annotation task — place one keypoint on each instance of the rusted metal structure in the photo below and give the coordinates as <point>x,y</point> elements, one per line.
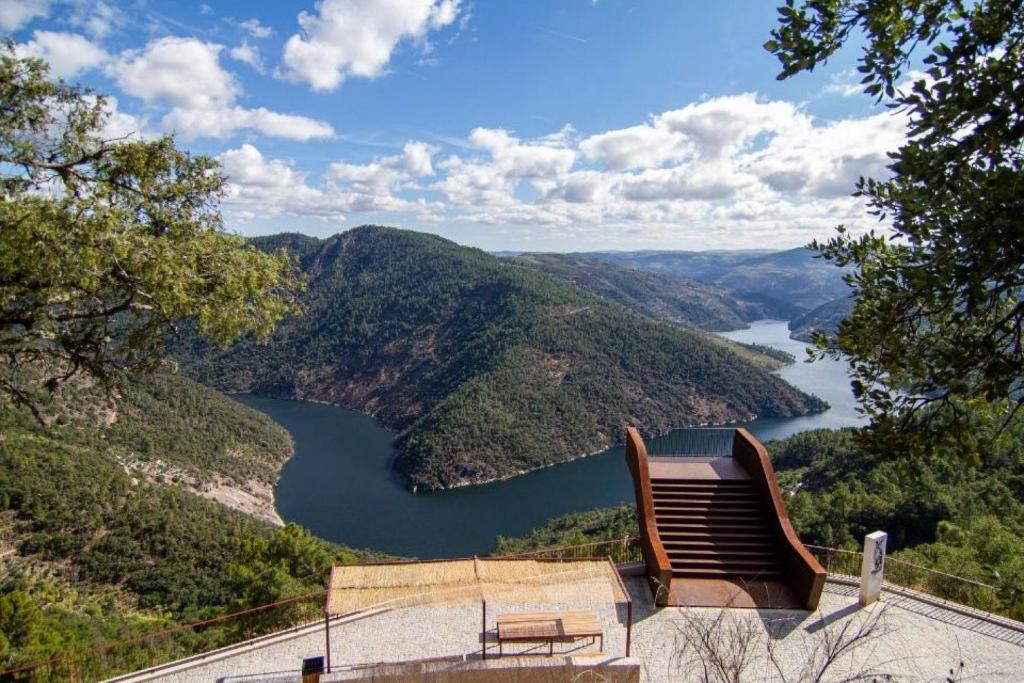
<point>714,528</point>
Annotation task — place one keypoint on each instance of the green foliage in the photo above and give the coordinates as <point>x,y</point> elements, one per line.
<point>782,284</point>
<point>824,319</point>
<point>938,315</point>
<point>488,368</point>
<point>106,244</point>
<point>578,528</point>
<point>103,555</point>
<point>661,296</point>
<point>965,521</point>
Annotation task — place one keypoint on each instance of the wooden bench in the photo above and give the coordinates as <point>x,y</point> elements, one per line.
<point>564,627</point>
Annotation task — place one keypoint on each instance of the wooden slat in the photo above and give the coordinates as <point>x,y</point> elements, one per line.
<point>544,625</point>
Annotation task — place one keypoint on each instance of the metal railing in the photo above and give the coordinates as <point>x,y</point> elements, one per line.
<point>708,441</point>
<point>904,574</point>
<point>620,550</point>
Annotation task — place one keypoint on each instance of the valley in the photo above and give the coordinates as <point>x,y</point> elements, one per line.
<point>485,368</point>
<point>339,484</point>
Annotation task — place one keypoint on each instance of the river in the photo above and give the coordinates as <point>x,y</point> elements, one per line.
<point>340,486</point>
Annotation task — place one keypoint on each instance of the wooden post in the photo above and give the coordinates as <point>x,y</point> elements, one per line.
<point>327,637</point>
<point>483,630</point>
<point>629,625</point>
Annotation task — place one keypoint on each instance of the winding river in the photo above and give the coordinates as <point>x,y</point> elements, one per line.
<point>339,484</point>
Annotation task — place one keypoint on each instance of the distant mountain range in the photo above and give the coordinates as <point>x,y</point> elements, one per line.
<point>491,367</point>
<point>784,284</point>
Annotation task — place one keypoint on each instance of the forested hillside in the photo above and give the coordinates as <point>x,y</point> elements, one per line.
<point>95,549</point>
<point>964,520</point>
<point>825,318</point>
<point>487,368</point>
<point>785,284</point>
<point>662,296</point>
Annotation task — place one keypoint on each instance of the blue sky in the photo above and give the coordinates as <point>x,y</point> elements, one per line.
<point>506,125</point>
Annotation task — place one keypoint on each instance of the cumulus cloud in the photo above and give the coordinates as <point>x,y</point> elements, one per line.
<point>274,187</point>
<point>248,54</point>
<point>256,29</point>
<point>17,13</point>
<point>96,17</point>
<point>68,54</point>
<point>355,38</point>
<point>185,74</point>
<point>760,171</point>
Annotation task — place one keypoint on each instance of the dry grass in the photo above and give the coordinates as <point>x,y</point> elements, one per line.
<point>360,587</point>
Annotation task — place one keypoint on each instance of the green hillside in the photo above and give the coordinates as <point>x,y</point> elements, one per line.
<point>94,551</point>
<point>487,368</point>
<point>784,284</point>
<point>965,521</point>
<point>662,296</point>
<point>825,318</point>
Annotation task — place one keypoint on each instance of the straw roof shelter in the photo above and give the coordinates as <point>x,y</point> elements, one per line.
<point>394,585</point>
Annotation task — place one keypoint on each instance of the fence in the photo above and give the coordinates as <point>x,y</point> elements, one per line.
<point>958,589</point>
<point>715,441</point>
<point>620,550</point>
<point>171,644</point>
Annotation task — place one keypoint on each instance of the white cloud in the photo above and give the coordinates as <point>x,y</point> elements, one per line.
<point>355,38</point>
<point>16,13</point>
<point>755,171</point>
<point>643,146</point>
<point>68,54</point>
<point>249,54</point>
<point>120,125</point>
<point>97,17</point>
<point>274,187</point>
<point>185,74</point>
<point>256,29</point>
<point>723,125</point>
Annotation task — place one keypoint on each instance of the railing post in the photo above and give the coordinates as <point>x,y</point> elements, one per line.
<point>872,568</point>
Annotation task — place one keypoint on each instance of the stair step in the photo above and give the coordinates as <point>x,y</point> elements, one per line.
<point>667,511</point>
<point>765,554</point>
<point>720,562</point>
<point>716,521</point>
<point>706,503</point>
<point>705,495</point>
<point>708,573</point>
<point>680,534</point>
<point>719,543</point>
<point>703,483</point>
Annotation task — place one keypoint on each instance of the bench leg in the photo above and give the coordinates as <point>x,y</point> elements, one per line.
<point>551,648</point>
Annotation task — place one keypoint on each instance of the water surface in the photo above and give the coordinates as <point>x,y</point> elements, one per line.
<point>340,486</point>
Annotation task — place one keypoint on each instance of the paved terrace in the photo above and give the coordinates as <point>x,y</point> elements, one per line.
<point>913,638</point>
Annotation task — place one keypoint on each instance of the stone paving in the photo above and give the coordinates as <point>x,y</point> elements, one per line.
<point>900,636</point>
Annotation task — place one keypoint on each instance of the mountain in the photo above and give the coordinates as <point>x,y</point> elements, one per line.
<point>825,318</point>
<point>785,283</point>
<point>662,296</point>
<point>114,527</point>
<point>487,368</point>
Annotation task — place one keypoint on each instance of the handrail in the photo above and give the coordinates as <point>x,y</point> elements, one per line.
<point>659,569</point>
<point>807,574</point>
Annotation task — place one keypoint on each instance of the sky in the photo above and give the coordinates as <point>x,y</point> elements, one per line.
<point>548,125</point>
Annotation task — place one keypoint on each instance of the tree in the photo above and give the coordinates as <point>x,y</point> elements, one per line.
<point>107,245</point>
<point>935,334</point>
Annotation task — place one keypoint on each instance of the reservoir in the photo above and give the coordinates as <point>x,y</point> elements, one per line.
<point>340,486</point>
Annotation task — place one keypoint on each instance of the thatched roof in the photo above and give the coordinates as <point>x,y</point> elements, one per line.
<point>359,587</point>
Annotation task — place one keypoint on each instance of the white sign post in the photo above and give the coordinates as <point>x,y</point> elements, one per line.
<point>872,568</point>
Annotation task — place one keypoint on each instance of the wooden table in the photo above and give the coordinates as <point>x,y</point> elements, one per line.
<point>548,627</point>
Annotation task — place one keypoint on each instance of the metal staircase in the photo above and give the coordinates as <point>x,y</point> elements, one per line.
<point>714,527</point>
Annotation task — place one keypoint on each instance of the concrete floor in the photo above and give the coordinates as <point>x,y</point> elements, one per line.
<point>900,636</point>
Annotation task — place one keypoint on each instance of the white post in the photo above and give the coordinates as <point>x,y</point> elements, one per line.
<point>872,568</point>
